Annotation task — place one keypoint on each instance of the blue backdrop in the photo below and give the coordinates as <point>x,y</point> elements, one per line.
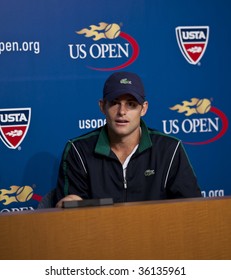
<point>55,56</point>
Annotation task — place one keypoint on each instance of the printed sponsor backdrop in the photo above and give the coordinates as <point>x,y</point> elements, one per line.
<point>56,55</point>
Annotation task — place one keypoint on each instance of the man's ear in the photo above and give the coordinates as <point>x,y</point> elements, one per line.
<point>102,106</point>
<point>144,108</point>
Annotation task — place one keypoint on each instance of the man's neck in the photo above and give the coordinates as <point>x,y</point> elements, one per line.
<point>123,146</point>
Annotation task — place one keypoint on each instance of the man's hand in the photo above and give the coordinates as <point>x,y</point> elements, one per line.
<point>69,197</point>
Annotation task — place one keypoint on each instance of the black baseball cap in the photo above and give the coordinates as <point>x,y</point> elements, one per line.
<point>120,83</point>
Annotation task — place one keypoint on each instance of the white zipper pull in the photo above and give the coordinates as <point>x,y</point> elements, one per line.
<point>125,183</point>
<point>124,173</point>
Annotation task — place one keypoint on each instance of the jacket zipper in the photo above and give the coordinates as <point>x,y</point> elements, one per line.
<point>125,189</point>
<point>125,165</point>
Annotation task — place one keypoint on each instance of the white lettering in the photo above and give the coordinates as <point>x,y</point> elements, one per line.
<point>214,124</point>
<point>187,35</point>
<point>187,126</point>
<point>125,51</point>
<point>17,47</point>
<point>96,51</point>
<point>17,209</point>
<point>77,51</point>
<point>93,123</point>
<point>104,50</point>
<point>213,193</point>
<point>17,117</point>
<point>173,127</point>
<point>201,125</point>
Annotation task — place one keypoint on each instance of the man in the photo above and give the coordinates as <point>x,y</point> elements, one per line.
<point>124,159</point>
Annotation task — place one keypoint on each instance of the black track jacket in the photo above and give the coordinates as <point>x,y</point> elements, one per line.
<point>159,169</point>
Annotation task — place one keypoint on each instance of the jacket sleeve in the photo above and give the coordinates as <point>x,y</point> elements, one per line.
<point>182,181</point>
<point>72,176</point>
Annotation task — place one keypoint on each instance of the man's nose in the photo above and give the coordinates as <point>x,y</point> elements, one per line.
<point>122,110</point>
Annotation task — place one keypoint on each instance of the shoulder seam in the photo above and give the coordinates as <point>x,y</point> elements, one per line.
<point>163,134</point>
<point>88,135</point>
<point>79,156</point>
<point>170,165</point>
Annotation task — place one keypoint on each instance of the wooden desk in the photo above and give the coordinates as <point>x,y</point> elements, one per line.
<point>176,229</point>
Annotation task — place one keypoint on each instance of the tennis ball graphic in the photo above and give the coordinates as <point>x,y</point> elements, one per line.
<point>203,106</point>
<point>112,31</point>
<point>24,193</point>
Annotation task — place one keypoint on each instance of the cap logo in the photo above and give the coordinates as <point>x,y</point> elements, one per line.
<point>125,81</point>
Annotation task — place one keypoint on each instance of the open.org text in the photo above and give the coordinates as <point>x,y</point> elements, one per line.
<point>213,193</point>
<point>7,47</point>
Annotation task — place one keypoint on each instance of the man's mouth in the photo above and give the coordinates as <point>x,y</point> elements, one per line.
<point>121,121</point>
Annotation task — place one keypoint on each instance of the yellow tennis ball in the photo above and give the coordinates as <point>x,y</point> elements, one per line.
<point>112,31</point>
<point>203,106</point>
<point>24,194</point>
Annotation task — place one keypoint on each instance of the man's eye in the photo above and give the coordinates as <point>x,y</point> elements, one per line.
<point>132,104</point>
<point>113,103</point>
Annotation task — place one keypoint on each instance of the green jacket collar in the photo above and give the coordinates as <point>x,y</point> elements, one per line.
<point>103,146</point>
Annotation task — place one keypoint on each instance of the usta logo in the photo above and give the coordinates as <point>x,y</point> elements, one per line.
<point>14,124</point>
<point>192,41</point>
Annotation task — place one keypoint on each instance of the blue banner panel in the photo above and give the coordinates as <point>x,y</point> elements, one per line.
<point>56,55</point>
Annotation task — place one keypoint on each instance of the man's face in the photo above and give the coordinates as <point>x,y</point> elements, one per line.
<point>123,114</point>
